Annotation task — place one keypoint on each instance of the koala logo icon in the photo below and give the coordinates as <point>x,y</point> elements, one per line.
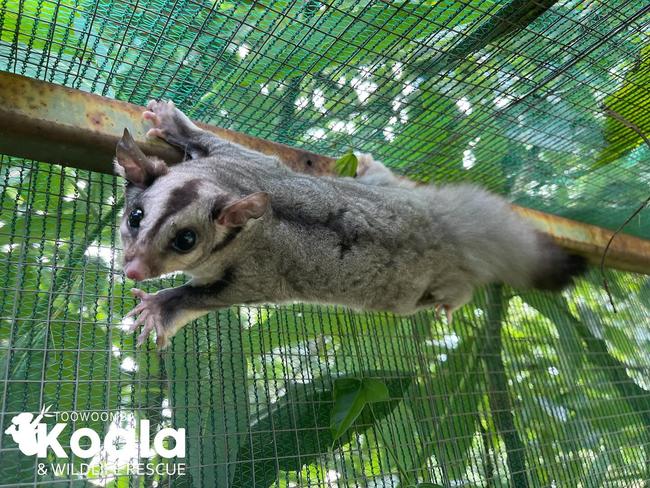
<point>23,430</point>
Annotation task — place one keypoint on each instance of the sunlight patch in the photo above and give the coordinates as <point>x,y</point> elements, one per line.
<point>316,133</point>
<point>129,365</point>
<point>126,324</point>
<point>301,103</point>
<point>464,105</point>
<point>243,51</point>
<point>468,159</point>
<point>502,101</point>
<point>318,99</point>
<point>363,88</point>
<point>104,253</point>
<point>398,70</point>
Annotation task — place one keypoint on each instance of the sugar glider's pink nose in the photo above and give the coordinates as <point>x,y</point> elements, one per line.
<point>136,269</point>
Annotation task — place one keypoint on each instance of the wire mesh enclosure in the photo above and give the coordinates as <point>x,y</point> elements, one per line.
<point>523,389</point>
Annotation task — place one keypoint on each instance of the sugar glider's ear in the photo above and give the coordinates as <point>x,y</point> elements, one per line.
<point>132,164</point>
<point>237,213</point>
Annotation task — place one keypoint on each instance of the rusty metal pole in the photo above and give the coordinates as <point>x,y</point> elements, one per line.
<point>55,124</point>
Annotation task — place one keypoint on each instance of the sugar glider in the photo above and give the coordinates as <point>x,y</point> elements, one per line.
<point>247,230</point>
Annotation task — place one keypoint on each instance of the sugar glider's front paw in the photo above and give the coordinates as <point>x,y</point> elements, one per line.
<point>170,124</point>
<point>150,313</point>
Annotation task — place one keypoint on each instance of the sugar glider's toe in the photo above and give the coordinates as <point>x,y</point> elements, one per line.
<point>446,308</point>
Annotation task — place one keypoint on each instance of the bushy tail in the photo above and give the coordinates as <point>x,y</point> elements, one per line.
<point>498,245</point>
<point>557,268</point>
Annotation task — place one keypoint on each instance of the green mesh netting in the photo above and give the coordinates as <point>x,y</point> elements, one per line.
<point>253,386</point>
<point>527,389</point>
<point>505,93</point>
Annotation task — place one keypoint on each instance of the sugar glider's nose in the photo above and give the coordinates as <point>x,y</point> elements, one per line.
<point>136,269</point>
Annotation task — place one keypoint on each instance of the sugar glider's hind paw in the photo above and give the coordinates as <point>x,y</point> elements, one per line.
<point>447,309</point>
<point>169,123</point>
<point>149,314</point>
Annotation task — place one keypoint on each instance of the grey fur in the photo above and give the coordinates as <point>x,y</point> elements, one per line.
<point>370,243</point>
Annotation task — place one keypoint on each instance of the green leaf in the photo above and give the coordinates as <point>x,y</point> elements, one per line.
<point>376,390</point>
<point>351,395</point>
<point>399,435</point>
<point>635,93</point>
<point>305,408</point>
<point>347,164</point>
<point>598,471</point>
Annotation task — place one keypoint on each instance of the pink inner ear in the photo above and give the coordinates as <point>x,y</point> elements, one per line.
<point>234,215</point>
<point>138,168</point>
<point>250,207</point>
<point>232,218</point>
<point>134,173</point>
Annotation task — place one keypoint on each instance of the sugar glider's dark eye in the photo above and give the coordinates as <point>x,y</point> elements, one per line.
<point>184,240</point>
<point>136,215</point>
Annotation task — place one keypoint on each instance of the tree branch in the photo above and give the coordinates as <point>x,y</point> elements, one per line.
<point>487,461</point>
<point>555,309</point>
<point>509,20</point>
<point>499,400</point>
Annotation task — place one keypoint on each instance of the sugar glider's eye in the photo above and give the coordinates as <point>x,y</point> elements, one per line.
<point>136,215</point>
<point>184,240</point>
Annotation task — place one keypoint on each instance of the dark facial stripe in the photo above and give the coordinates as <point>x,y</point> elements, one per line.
<point>213,289</point>
<point>220,202</point>
<point>179,198</point>
<point>229,237</point>
<point>189,297</point>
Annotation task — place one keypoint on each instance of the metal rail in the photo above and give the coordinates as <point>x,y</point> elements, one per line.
<point>56,124</point>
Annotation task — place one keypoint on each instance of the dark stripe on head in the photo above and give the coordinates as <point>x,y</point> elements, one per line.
<point>228,238</point>
<point>219,204</point>
<point>213,289</point>
<point>179,198</point>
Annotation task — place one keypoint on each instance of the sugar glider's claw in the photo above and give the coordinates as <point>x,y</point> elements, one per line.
<point>148,314</point>
<point>149,115</point>
<point>136,292</point>
<point>162,341</point>
<point>139,321</point>
<point>146,330</point>
<point>448,313</point>
<point>436,310</point>
<point>156,133</point>
<point>152,104</point>
<point>136,310</point>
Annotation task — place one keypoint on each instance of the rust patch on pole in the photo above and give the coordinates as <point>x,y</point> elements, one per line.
<point>55,124</point>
